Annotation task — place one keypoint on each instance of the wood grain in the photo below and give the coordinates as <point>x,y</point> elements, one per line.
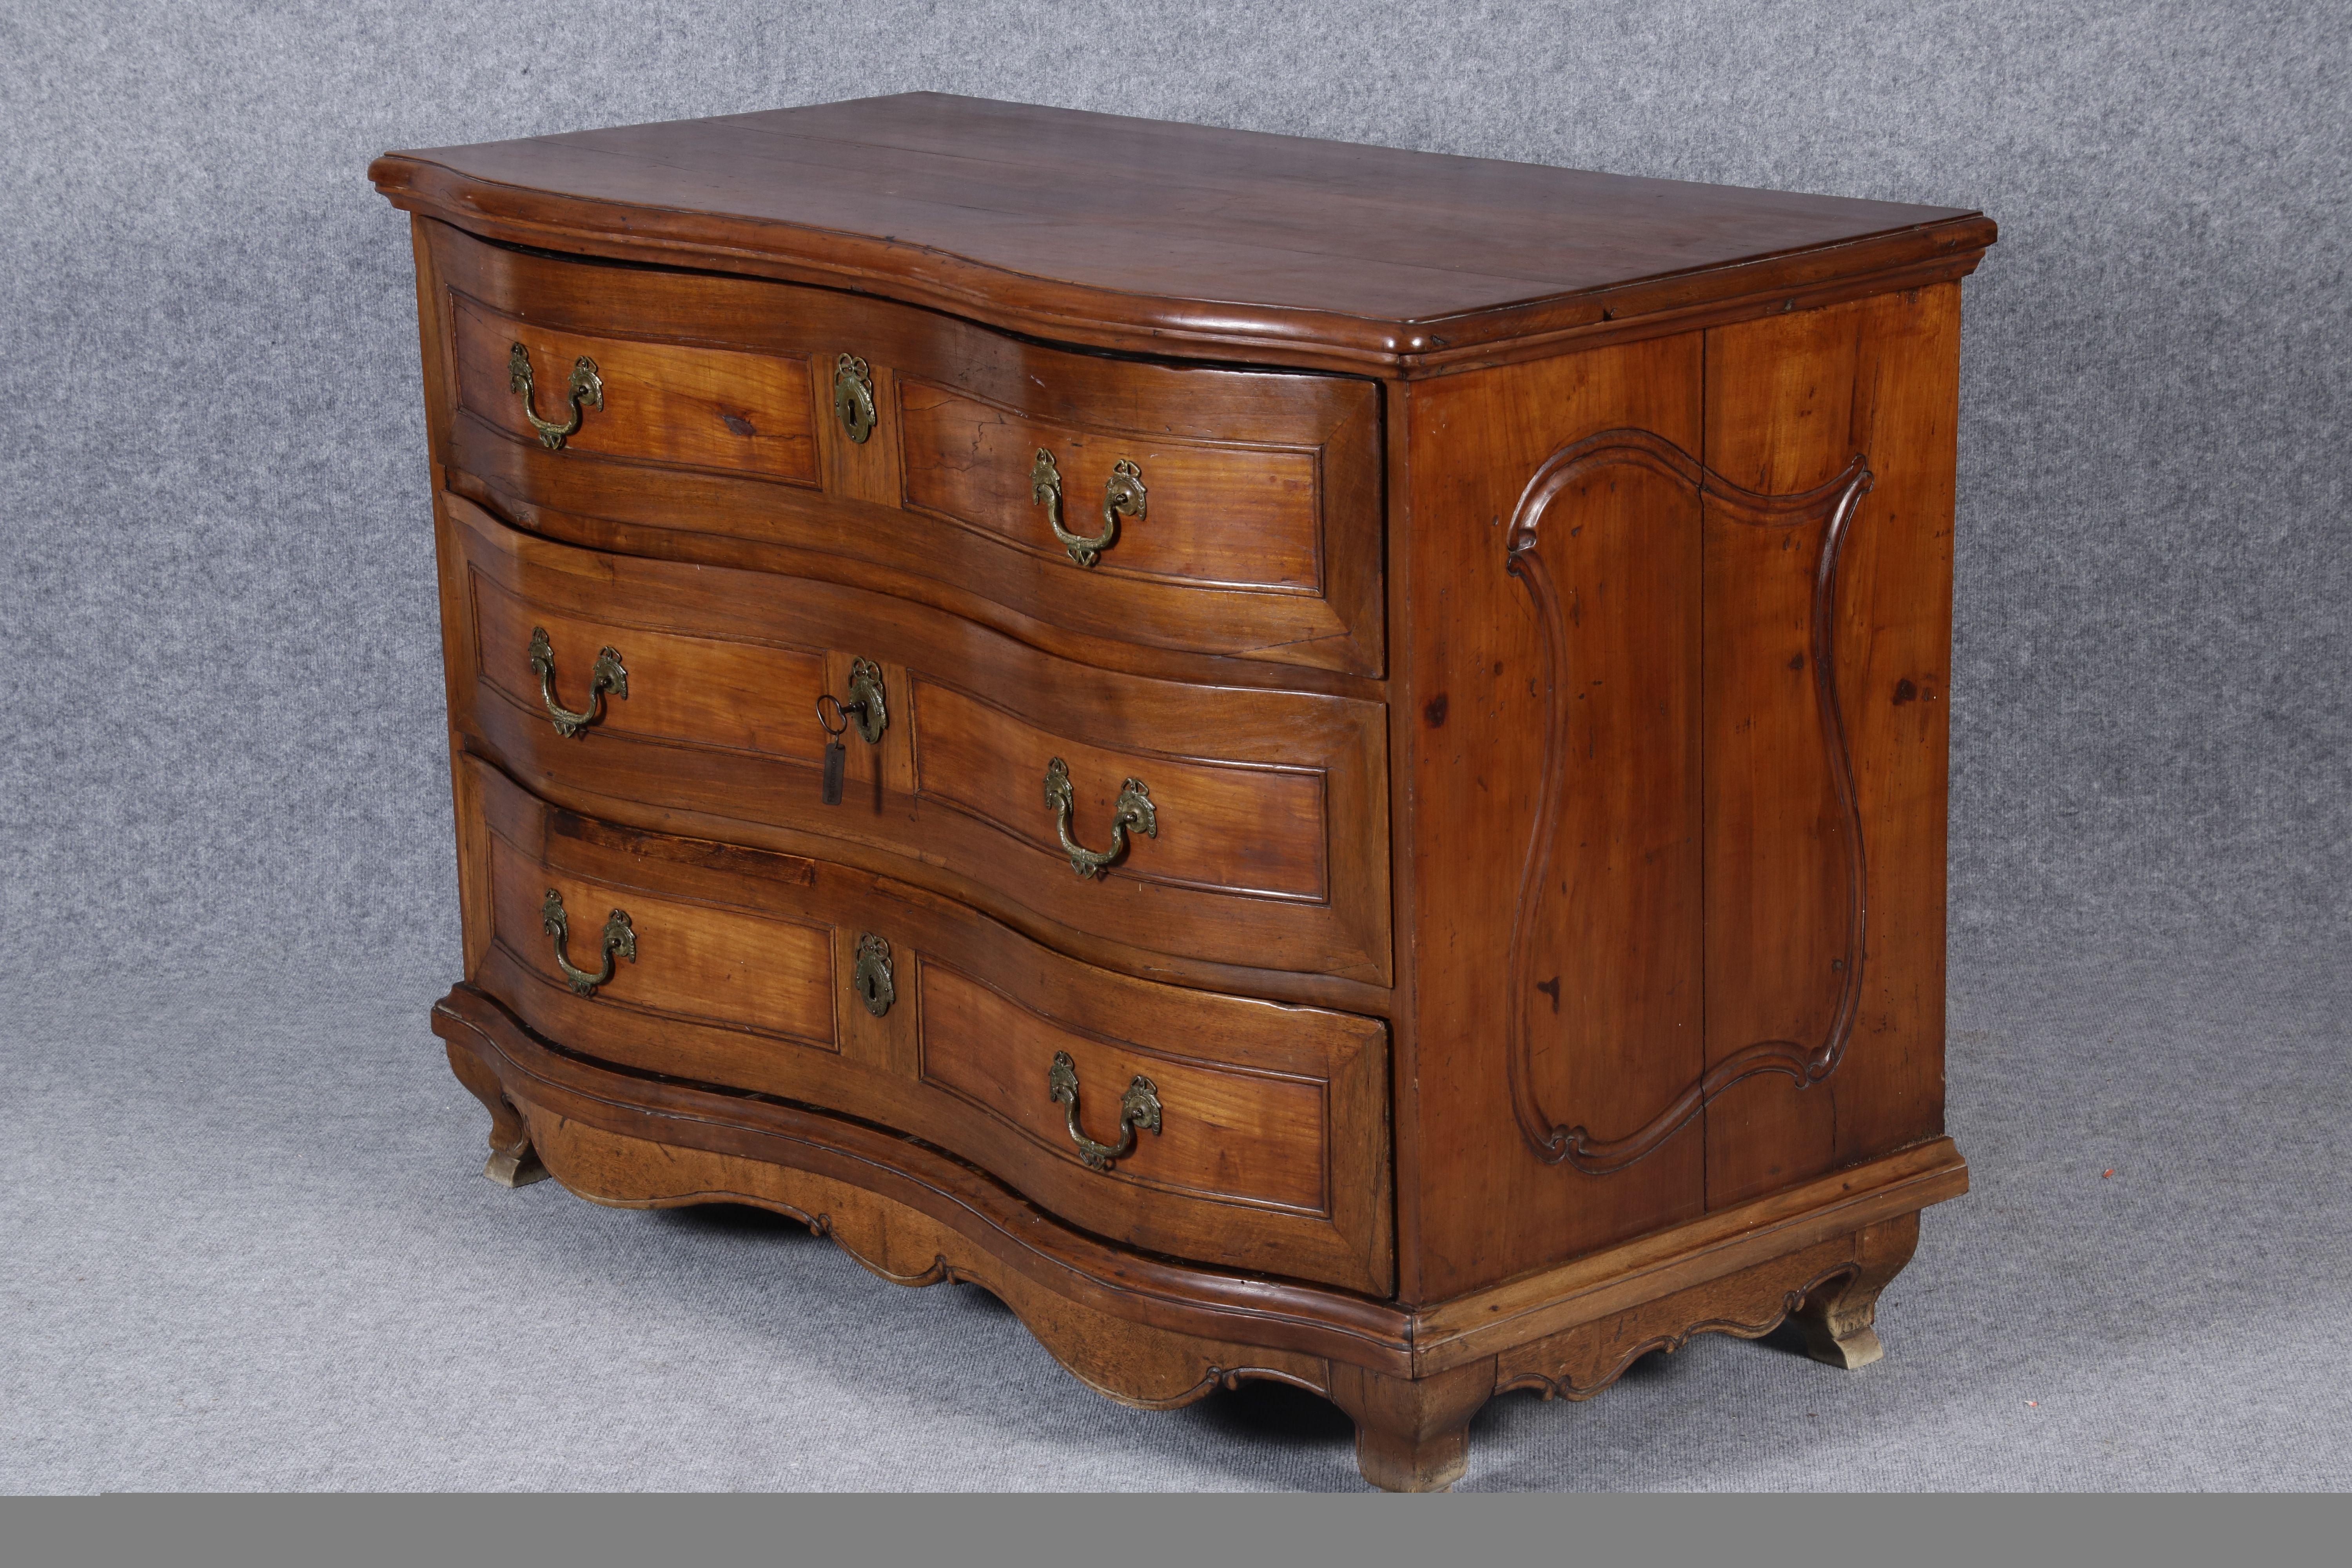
<point>1579,1363</point>
<point>1606,934</point>
<point>1272,847</point>
<point>1153,237</point>
<point>1273,1153</point>
<point>1225,515</point>
<point>1720,1243</point>
<point>767,976</point>
<point>1474,711</point>
<point>1412,1435</point>
<point>896,1242</point>
<point>1264,830</point>
<point>1133,1326</point>
<point>718,692</point>
<point>1789,403</point>
<point>1261,532</point>
<point>1252,1137</point>
<point>694,407</point>
<point>1536,648</point>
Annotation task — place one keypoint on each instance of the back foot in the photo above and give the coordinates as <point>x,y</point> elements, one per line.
<point>1840,1319</point>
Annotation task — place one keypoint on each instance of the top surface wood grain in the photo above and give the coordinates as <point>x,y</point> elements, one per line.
<point>926,188</point>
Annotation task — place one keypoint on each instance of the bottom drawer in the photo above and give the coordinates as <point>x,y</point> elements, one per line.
<point>1212,1127</point>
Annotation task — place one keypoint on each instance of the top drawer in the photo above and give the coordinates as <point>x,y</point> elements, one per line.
<point>1212,511</point>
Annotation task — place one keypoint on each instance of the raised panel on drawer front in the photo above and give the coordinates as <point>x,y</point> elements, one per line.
<point>705,691</point>
<point>695,407</point>
<point>1227,827</point>
<point>1242,516</point>
<point>1263,526</point>
<point>1273,1149</point>
<point>695,962</point>
<point>1245,1137</point>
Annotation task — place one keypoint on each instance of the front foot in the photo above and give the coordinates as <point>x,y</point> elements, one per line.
<point>513,1162</point>
<point>1840,1319</point>
<point>1412,1435</point>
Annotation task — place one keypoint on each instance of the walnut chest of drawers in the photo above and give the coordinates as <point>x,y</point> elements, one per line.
<point>1307,762</point>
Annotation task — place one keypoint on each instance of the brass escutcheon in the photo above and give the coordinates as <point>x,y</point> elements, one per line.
<point>852,396</point>
<point>1123,496</point>
<point>866,700</point>
<point>1134,810</point>
<point>1139,1106</point>
<point>586,388</point>
<point>609,675</point>
<point>620,937</point>
<point>871,977</point>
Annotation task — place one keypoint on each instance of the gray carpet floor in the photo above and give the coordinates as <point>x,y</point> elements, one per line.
<point>249,1248</point>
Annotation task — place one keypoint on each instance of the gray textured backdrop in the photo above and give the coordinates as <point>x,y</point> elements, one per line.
<point>245,1245</point>
<point>221,682</point>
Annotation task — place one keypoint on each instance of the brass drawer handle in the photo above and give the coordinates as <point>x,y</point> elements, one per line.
<point>871,978</point>
<point>620,937</point>
<point>1134,810</point>
<point>1122,496</point>
<point>586,388</point>
<point>853,397</point>
<point>1139,1106</point>
<point>608,676</point>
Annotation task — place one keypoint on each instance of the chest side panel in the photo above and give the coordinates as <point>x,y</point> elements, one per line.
<point>1825,915</point>
<point>1679,619</point>
<point>1554,832</point>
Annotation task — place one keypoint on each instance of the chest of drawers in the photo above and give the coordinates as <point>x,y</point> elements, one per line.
<point>1307,762</point>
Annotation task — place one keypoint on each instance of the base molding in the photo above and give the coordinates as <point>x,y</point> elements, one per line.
<point>1153,1369</point>
<point>1579,1363</point>
<point>1156,1334</point>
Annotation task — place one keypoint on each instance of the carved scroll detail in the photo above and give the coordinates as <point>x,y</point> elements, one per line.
<point>1560,1143</point>
<point>1532,1367</point>
<point>1133,1363</point>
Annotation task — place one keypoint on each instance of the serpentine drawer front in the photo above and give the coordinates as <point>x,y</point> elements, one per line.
<point>1309,761</point>
<point>1223,511</point>
<point>1269,838</point>
<point>1264,1145</point>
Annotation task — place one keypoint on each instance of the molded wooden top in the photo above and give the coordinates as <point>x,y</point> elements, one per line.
<point>1155,237</point>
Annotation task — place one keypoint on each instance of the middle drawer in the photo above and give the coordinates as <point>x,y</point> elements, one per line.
<point>1243,827</point>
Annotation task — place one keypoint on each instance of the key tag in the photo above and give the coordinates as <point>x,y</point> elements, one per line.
<point>837,755</point>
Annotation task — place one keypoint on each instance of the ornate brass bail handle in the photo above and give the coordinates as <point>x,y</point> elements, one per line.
<point>586,388</point>
<point>1123,496</point>
<point>1134,810</point>
<point>620,938</point>
<point>609,675</point>
<point>1139,1106</point>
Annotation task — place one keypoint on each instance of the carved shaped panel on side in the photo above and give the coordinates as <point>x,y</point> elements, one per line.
<point>1667,738</point>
